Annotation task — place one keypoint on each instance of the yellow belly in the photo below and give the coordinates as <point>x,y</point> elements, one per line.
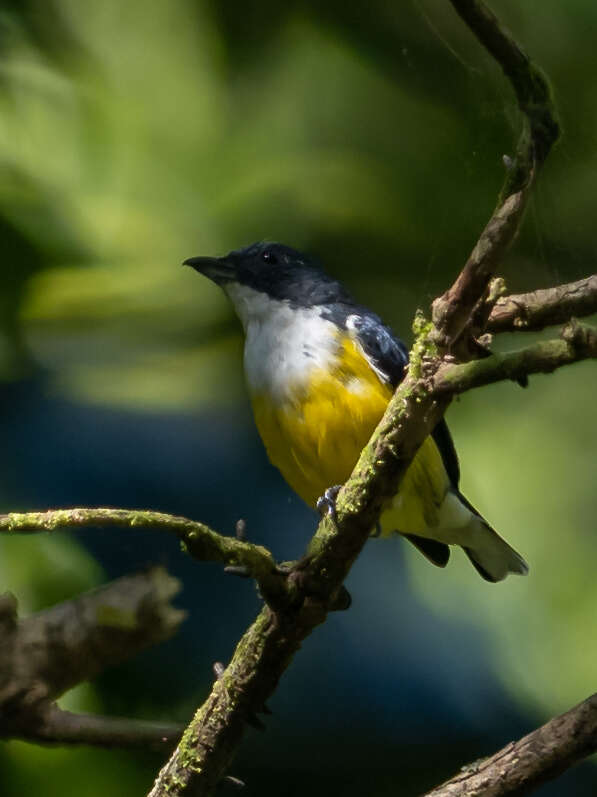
<point>316,437</point>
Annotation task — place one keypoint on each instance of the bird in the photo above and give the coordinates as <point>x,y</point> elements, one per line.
<point>320,370</point>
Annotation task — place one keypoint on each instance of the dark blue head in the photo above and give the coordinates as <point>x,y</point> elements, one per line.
<point>276,270</point>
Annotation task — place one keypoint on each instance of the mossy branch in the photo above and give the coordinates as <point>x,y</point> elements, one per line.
<point>199,540</point>
<point>577,342</point>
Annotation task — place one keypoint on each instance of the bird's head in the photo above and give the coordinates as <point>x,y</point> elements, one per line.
<point>264,272</point>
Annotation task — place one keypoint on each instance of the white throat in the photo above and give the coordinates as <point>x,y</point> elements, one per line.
<point>283,344</point>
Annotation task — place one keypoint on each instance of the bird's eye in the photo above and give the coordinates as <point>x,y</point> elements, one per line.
<point>269,257</point>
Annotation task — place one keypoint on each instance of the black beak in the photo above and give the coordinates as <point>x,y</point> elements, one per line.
<point>218,269</point>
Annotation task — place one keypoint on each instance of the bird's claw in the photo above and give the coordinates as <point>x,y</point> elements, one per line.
<point>326,503</point>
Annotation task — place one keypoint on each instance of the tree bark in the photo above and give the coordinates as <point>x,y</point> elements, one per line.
<point>522,766</point>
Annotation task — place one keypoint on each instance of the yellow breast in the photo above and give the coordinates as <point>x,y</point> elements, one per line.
<point>316,434</point>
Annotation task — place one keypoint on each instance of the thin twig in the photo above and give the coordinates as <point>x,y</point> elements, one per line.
<point>540,130</point>
<point>533,93</point>
<point>64,727</point>
<point>200,541</point>
<point>577,342</point>
<point>530,312</point>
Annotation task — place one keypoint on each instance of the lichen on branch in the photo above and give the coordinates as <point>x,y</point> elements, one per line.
<point>199,540</point>
<point>577,342</point>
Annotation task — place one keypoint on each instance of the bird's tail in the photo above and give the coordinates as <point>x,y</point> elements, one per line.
<point>492,557</point>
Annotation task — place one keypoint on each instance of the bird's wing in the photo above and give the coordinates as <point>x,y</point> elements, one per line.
<point>386,353</point>
<point>388,356</point>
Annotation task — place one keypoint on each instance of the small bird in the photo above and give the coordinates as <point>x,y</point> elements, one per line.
<point>321,370</point>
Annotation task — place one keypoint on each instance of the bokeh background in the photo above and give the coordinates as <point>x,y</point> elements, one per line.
<point>134,135</point>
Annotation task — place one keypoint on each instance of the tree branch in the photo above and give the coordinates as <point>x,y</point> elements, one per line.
<point>63,727</point>
<point>577,342</point>
<point>521,766</point>
<point>198,539</point>
<point>44,655</point>
<point>452,312</point>
<point>531,312</point>
<point>540,125</point>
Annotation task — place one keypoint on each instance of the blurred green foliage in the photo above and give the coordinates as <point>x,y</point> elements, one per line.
<point>135,135</point>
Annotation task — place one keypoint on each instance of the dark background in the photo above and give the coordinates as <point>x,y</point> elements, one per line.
<point>135,135</point>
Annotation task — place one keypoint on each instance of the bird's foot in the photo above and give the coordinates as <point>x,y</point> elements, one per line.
<point>326,503</point>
